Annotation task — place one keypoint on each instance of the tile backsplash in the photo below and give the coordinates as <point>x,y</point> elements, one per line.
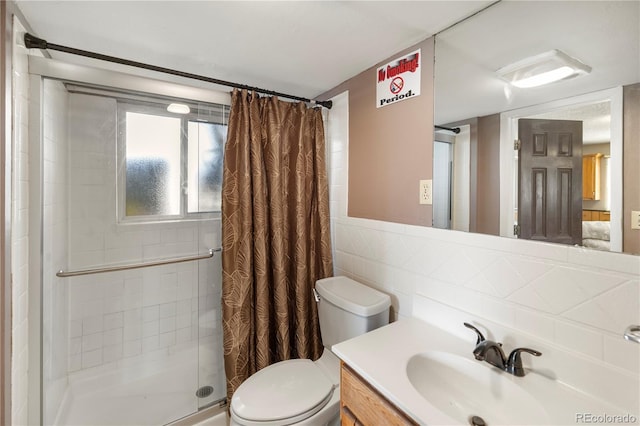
<point>572,305</point>
<point>576,301</point>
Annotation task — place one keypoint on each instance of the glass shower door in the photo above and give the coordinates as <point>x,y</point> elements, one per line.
<point>211,377</point>
<point>132,346</point>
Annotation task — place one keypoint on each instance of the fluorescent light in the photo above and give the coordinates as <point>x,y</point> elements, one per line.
<point>179,108</point>
<point>545,68</point>
<point>544,78</point>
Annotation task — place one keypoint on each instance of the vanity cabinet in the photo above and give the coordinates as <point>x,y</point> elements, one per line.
<point>591,176</point>
<point>361,404</point>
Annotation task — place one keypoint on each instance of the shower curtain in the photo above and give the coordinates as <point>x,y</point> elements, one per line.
<point>275,230</point>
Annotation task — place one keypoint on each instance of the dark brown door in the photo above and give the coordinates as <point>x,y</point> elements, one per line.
<point>550,180</point>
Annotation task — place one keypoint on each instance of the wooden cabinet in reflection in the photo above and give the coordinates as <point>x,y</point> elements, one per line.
<point>588,215</point>
<point>591,177</point>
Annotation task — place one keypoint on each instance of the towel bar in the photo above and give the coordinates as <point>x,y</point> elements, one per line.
<point>63,274</point>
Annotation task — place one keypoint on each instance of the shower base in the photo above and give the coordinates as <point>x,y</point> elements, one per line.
<point>156,390</point>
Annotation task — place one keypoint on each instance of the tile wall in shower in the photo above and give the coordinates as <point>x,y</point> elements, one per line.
<point>119,316</point>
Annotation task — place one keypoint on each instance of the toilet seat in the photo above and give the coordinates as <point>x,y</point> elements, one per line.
<point>283,393</point>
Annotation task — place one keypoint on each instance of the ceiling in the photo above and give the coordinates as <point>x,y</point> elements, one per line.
<point>306,48</point>
<point>603,34</point>
<point>303,48</point>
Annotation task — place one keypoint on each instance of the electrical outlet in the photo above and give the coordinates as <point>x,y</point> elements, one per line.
<point>426,191</point>
<point>635,220</point>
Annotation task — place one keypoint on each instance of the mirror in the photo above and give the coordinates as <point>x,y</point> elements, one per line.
<point>481,183</point>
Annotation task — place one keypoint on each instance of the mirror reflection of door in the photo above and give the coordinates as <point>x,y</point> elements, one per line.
<point>442,184</point>
<point>451,179</point>
<point>550,180</point>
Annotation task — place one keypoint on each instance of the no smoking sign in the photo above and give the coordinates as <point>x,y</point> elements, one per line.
<point>396,85</point>
<point>398,80</point>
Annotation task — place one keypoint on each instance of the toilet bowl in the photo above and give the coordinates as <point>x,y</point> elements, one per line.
<point>305,392</point>
<point>297,391</point>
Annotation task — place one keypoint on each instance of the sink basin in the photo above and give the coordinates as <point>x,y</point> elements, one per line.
<point>463,388</point>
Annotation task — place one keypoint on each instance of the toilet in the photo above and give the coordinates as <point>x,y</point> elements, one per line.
<point>305,392</point>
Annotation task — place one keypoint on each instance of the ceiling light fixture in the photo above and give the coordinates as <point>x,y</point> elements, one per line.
<point>179,108</point>
<point>541,69</point>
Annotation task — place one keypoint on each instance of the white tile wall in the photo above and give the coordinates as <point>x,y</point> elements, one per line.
<point>120,317</point>
<point>575,302</point>
<point>20,230</point>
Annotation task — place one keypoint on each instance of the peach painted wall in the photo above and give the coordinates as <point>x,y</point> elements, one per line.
<point>488,177</point>
<point>390,148</point>
<point>631,158</point>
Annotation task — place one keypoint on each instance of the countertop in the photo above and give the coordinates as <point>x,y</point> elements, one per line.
<point>381,357</point>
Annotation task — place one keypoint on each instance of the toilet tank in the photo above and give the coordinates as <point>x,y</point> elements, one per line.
<point>348,309</point>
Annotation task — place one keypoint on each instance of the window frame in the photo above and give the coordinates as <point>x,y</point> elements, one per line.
<point>122,108</point>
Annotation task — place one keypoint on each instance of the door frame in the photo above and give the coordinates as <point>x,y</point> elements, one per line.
<point>509,167</point>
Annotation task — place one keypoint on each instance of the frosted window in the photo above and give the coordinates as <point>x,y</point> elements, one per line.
<point>205,152</point>
<point>152,165</point>
<point>171,164</point>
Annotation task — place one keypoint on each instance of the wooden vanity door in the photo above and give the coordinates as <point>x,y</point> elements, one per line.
<point>362,405</point>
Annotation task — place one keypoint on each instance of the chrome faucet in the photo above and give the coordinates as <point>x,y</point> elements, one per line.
<point>491,352</point>
<point>632,333</point>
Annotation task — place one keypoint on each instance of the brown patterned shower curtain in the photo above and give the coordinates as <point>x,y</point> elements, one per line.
<point>275,231</point>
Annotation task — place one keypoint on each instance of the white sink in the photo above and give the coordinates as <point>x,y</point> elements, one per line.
<point>463,388</point>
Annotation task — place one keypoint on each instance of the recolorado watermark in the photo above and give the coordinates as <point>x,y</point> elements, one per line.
<point>590,418</point>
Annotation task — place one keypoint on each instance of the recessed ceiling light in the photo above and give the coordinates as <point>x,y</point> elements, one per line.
<point>179,108</point>
<point>545,68</point>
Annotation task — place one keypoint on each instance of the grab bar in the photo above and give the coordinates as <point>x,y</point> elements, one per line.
<point>63,274</point>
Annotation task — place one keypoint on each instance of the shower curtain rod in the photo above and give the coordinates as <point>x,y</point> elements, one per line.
<point>455,130</point>
<point>32,42</point>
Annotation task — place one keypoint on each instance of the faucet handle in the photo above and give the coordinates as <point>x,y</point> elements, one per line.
<point>514,363</point>
<point>480,336</point>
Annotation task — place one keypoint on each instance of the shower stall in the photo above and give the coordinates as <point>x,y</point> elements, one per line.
<point>126,192</point>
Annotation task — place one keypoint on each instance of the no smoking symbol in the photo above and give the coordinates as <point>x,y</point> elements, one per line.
<point>396,85</point>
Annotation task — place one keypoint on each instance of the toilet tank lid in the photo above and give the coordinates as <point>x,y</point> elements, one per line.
<point>353,296</point>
